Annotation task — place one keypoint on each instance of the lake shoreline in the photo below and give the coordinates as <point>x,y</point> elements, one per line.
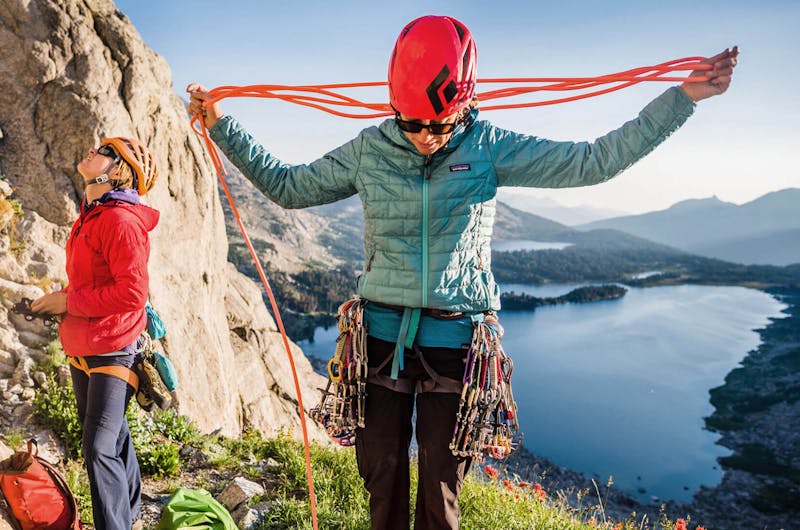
<point>752,493</point>
<point>757,414</point>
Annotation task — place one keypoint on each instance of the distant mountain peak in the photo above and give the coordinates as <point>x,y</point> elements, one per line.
<point>705,202</point>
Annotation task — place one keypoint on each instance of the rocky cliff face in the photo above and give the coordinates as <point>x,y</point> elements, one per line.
<point>76,71</point>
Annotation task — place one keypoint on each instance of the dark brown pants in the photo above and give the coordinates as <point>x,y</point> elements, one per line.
<point>382,446</point>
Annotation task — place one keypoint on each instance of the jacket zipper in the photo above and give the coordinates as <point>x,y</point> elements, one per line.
<point>425,219</point>
<point>367,268</point>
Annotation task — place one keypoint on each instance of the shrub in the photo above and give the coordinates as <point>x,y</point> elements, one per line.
<point>156,441</point>
<point>175,426</point>
<point>56,409</point>
<point>55,357</point>
<point>78,481</point>
<point>14,438</point>
<point>158,455</point>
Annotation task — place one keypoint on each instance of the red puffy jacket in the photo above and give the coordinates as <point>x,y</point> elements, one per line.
<point>107,254</point>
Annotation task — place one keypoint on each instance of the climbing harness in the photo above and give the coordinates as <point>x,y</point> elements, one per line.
<point>24,308</point>
<point>499,438</point>
<point>341,408</point>
<point>120,372</point>
<point>486,422</point>
<point>144,377</point>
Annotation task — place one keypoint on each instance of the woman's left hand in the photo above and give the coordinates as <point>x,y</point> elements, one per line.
<point>719,78</point>
<point>51,303</point>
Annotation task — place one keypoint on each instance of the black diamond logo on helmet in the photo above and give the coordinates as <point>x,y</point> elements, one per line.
<point>450,91</point>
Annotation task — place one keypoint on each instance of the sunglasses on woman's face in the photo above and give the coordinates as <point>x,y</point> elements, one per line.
<point>434,128</point>
<point>107,151</point>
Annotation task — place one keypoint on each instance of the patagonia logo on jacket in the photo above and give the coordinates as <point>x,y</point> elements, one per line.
<point>459,167</point>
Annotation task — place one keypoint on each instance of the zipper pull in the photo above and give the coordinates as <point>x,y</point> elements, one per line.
<point>428,166</point>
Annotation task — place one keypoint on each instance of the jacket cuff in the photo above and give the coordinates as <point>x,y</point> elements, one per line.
<point>680,101</point>
<point>220,129</point>
<point>71,309</point>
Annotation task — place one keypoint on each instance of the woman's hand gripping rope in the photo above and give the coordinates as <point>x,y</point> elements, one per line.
<point>702,84</point>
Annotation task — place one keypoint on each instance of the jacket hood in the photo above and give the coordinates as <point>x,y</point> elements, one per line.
<point>128,199</point>
<point>148,216</point>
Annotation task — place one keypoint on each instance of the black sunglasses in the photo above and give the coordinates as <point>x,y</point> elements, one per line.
<point>106,150</point>
<point>434,128</point>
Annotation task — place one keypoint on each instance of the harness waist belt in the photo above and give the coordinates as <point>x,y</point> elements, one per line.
<point>120,372</point>
<point>441,314</point>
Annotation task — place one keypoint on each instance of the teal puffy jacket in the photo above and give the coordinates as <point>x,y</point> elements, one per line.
<point>428,220</point>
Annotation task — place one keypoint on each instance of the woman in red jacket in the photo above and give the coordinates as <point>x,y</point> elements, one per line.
<point>102,316</point>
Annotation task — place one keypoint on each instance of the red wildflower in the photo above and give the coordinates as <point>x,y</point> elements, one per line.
<point>680,524</point>
<point>539,491</point>
<point>618,526</point>
<point>523,484</point>
<point>508,485</point>
<point>700,528</point>
<point>490,471</point>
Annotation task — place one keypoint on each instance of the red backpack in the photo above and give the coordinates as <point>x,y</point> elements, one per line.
<point>36,494</point>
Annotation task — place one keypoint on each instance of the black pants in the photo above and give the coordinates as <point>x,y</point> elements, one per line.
<point>107,446</point>
<point>382,445</point>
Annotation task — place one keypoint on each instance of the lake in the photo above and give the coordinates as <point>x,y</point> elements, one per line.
<point>524,244</point>
<point>620,388</point>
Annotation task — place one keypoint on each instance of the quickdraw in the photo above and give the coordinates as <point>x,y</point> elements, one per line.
<point>486,423</point>
<point>24,308</point>
<point>341,408</point>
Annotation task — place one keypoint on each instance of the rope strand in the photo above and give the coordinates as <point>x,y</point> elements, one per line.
<point>327,98</point>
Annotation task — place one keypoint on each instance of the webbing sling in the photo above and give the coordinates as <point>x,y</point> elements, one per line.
<point>405,338</point>
<point>120,372</point>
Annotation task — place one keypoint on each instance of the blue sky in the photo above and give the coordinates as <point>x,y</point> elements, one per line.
<point>737,146</point>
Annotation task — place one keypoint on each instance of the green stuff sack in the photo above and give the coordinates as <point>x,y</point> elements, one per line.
<point>190,508</point>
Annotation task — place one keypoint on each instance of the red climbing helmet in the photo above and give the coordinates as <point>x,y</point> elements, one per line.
<point>433,68</point>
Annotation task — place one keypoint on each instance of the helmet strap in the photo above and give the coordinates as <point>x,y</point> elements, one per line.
<point>104,177</point>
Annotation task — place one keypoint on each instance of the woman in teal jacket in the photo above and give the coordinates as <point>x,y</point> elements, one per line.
<point>428,180</point>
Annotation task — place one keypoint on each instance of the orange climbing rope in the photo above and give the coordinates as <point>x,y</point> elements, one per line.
<point>279,321</point>
<point>327,99</point>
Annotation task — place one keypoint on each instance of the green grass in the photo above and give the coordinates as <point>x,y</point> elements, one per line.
<point>55,357</point>
<point>342,502</point>
<point>56,409</point>
<point>78,481</point>
<point>487,502</point>
<point>341,499</point>
<point>15,439</point>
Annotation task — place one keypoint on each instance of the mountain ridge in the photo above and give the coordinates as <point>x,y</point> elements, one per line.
<point>718,229</point>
